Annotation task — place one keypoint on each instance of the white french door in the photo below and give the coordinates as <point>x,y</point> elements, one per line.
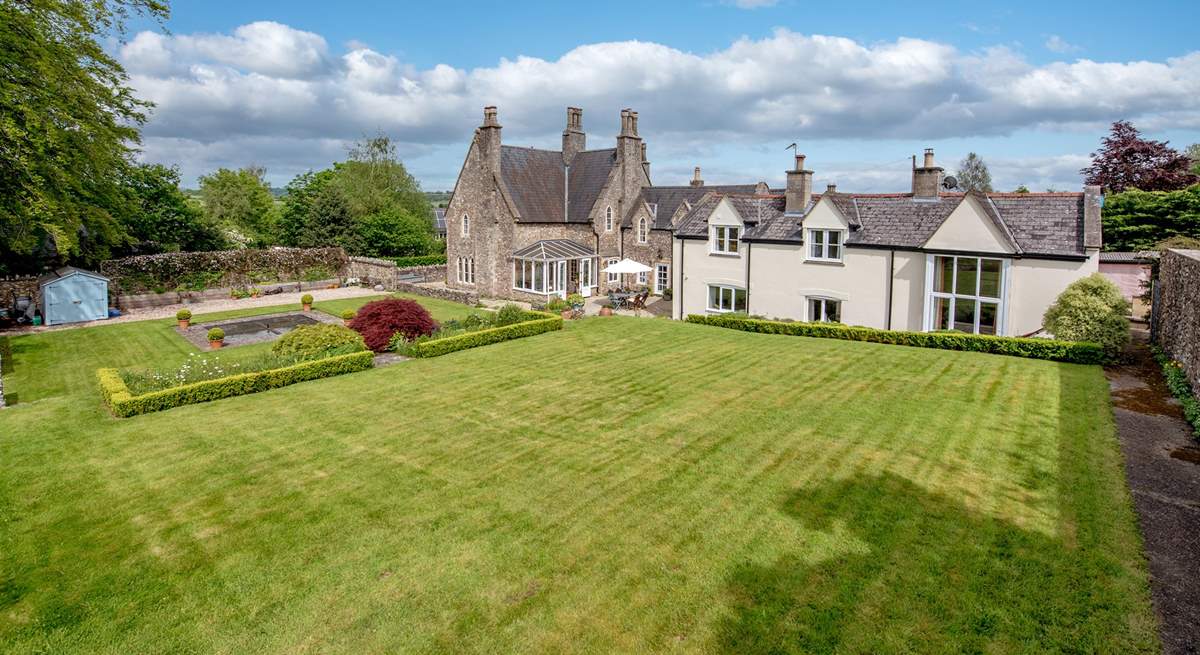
<point>585,277</point>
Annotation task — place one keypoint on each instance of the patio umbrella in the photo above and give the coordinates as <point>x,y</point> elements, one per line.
<point>627,266</point>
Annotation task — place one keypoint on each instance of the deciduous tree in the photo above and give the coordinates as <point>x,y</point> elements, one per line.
<point>1128,161</point>
<point>973,174</point>
<point>241,203</point>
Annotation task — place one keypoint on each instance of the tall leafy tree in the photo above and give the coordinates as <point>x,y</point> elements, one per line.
<point>241,203</point>
<point>68,125</point>
<point>373,179</point>
<point>160,218</point>
<point>1128,161</point>
<point>1193,155</point>
<point>1138,220</point>
<point>973,174</point>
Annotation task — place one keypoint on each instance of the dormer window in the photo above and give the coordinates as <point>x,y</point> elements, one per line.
<point>466,225</point>
<point>642,231</point>
<point>724,240</point>
<point>825,245</point>
<point>608,220</point>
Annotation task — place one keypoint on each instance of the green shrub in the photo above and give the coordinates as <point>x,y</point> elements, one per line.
<point>576,300</point>
<point>532,323</point>
<point>306,299</point>
<point>183,315</point>
<point>419,260</point>
<point>347,314</point>
<point>1090,309</point>
<point>557,305</point>
<point>123,404</point>
<point>667,293</point>
<point>476,322</point>
<point>1051,349</point>
<point>216,334</point>
<point>508,315</point>
<point>1177,382</point>
<point>316,341</point>
<point>317,273</point>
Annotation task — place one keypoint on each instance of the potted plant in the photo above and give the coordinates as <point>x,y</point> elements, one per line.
<point>577,302</point>
<point>606,311</point>
<point>216,338</point>
<point>306,301</point>
<point>184,317</point>
<point>347,316</point>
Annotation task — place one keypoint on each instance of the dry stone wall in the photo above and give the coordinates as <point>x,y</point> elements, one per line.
<point>12,288</point>
<point>1178,323</point>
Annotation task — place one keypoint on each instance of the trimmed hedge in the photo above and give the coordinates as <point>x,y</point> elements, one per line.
<point>1077,352</point>
<point>419,260</point>
<point>535,323</point>
<point>123,404</point>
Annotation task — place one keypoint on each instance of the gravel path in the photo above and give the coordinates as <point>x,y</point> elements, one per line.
<point>1162,465</point>
<point>205,307</point>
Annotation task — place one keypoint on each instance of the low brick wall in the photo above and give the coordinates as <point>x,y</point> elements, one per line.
<point>1178,325</point>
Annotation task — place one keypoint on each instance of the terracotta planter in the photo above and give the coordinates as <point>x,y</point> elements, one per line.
<point>606,311</point>
<point>183,325</point>
<point>566,314</point>
<point>216,345</point>
<point>307,307</point>
<point>346,322</point>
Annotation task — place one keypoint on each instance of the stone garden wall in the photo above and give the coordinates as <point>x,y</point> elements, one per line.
<point>1178,321</point>
<point>177,271</point>
<point>13,287</point>
<point>371,271</point>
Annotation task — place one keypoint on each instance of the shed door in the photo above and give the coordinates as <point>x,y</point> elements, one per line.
<point>95,302</point>
<point>62,306</point>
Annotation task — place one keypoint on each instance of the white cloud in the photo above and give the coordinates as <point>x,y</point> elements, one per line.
<point>267,83</point>
<point>1055,43</point>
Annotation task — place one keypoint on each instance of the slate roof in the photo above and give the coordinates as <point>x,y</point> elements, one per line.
<point>439,219</point>
<point>1139,257</point>
<point>538,182</point>
<point>669,198</point>
<point>1049,224</point>
<point>550,249</point>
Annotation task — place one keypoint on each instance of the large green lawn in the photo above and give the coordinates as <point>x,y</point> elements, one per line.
<point>623,485</point>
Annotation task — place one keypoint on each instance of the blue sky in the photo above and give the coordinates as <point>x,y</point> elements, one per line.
<point>1029,86</point>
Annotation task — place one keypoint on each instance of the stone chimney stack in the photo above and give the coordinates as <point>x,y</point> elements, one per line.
<point>927,179</point>
<point>799,187</point>
<point>645,161</point>
<point>488,138</point>
<point>696,179</point>
<point>830,188</point>
<point>1092,200</point>
<point>630,157</point>
<point>629,123</point>
<point>574,140</point>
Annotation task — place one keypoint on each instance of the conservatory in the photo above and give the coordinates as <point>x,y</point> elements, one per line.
<point>555,267</point>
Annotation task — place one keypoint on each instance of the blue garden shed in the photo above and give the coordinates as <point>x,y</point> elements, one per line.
<point>72,295</point>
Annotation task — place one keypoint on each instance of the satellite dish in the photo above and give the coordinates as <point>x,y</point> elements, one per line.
<point>950,182</point>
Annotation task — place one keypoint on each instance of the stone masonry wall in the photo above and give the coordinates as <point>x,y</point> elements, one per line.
<point>374,271</point>
<point>12,288</point>
<point>1179,309</point>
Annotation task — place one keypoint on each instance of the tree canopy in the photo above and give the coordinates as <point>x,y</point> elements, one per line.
<point>973,174</point>
<point>1138,220</point>
<point>68,126</point>
<point>240,202</point>
<point>1128,161</point>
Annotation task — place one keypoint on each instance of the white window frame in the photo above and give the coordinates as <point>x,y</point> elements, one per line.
<point>643,277</point>
<point>643,231</point>
<point>662,277</point>
<point>1001,301</point>
<point>824,245</point>
<point>466,225</point>
<point>720,239</point>
<point>824,317</point>
<point>613,278</point>
<point>466,270</point>
<point>721,309</point>
<point>608,219</point>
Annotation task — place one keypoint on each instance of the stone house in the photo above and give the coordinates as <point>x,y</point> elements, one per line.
<point>928,259</point>
<point>531,224</point>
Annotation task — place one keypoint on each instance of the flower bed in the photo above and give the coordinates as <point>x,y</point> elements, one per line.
<point>123,403</point>
<point>1177,382</point>
<point>1051,349</point>
<point>480,331</point>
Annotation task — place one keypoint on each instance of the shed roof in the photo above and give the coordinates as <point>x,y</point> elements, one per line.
<point>65,272</point>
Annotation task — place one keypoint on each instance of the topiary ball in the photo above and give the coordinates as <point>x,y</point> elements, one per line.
<point>378,321</point>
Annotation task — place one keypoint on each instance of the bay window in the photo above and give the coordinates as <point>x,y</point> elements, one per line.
<point>966,294</point>
<point>726,299</point>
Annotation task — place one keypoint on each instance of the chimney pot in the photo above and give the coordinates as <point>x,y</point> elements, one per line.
<point>929,158</point>
<point>830,188</point>
<point>489,116</point>
<point>799,162</point>
<point>573,138</point>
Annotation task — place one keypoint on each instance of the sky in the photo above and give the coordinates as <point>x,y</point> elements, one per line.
<point>725,85</point>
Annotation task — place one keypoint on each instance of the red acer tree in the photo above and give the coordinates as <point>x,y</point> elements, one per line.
<point>1126,160</point>
<point>378,321</point>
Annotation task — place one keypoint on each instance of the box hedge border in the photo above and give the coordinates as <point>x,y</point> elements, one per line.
<point>123,404</point>
<point>419,260</point>
<point>537,323</point>
<point>1076,352</point>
